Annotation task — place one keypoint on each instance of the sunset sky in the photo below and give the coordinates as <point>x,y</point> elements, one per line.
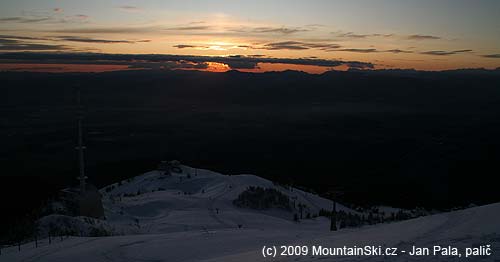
<point>299,35</point>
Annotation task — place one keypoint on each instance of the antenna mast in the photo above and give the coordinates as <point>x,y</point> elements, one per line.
<point>80,146</point>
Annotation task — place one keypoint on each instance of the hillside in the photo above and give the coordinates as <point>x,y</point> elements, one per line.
<point>190,216</point>
<point>197,199</point>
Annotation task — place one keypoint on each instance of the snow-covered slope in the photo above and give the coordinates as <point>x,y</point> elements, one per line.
<point>176,218</point>
<point>466,228</point>
<point>470,228</point>
<point>197,199</point>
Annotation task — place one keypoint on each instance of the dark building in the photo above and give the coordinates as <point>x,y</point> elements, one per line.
<point>87,204</point>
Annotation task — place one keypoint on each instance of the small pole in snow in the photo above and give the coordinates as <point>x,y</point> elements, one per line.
<point>36,240</point>
<point>50,239</point>
<point>19,245</point>
<point>333,220</point>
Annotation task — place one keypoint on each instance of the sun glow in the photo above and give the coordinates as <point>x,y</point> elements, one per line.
<point>217,67</point>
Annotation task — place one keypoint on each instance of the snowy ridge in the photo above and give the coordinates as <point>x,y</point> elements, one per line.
<point>193,200</point>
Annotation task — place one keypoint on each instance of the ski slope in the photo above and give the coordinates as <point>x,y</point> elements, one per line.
<point>176,203</point>
<point>176,218</point>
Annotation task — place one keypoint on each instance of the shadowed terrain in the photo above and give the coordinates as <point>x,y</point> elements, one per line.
<point>401,138</point>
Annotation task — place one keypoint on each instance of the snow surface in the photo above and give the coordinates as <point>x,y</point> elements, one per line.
<point>175,218</point>
<point>176,203</point>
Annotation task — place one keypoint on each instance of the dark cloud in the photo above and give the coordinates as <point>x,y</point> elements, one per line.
<point>423,37</point>
<point>492,56</point>
<point>246,62</point>
<point>19,43</point>
<point>384,35</point>
<point>409,37</point>
<point>105,30</point>
<point>359,50</point>
<point>189,28</point>
<point>130,30</point>
<point>268,30</point>
<point>314,25</point>
<point>185,46</point>
<point>157,61</point>
<point>19,19</point>
<point>52,18</point>
<point>353,35</point>
<point>169,65</point>
<point>31,47</point>
<point>280,30</point>
<point>129,8</point>
<point>4,41</point>
<point>80,16</point>
<point>99,41</point>
<point>360,36</point>
<point>446,53</point>
<point>242,64</point>
<point>197,27</point>
<point>22,37</point>
<point>286,45</point>
<point>297,45</point>
<point>359,65</point>
<point>398,51</point>
<point>323,46</point>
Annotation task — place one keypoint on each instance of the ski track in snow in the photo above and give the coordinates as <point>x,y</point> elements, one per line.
<point>211,203</point>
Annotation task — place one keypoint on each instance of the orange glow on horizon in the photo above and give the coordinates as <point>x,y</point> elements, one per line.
<point>217,67</point>
<point>214,67</point>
